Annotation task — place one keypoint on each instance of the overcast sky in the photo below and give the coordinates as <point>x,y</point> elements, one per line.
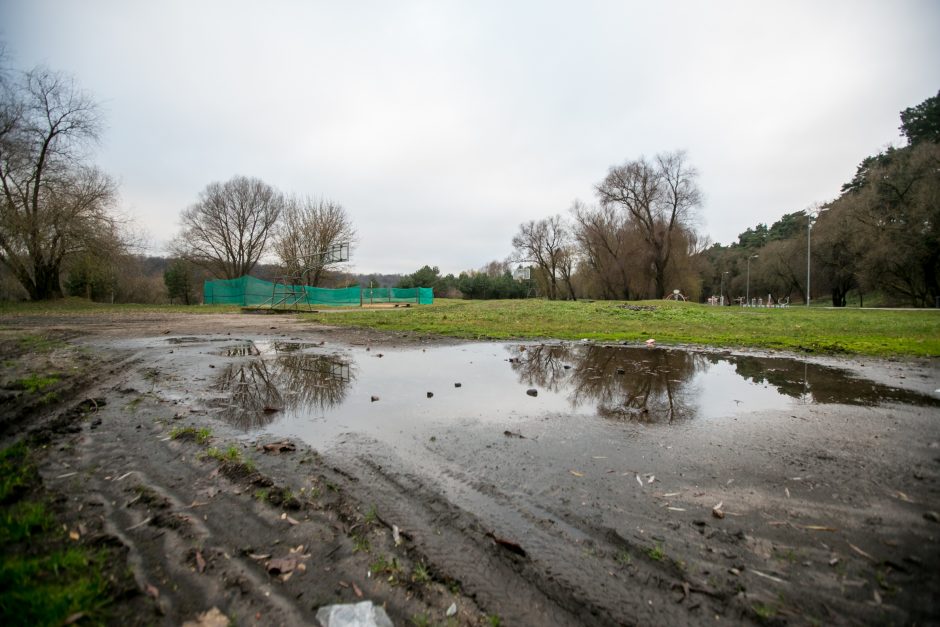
<point>441,126</point>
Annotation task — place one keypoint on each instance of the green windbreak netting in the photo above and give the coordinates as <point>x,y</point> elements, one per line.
<point>248,291</point>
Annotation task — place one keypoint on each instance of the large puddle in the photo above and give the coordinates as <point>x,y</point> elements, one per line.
<point>307,391</point>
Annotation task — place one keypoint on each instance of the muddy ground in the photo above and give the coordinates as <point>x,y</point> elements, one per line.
<point>826,513</point>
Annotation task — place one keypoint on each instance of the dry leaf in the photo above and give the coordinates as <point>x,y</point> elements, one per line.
<point>816,528</point>
<point>860,552</point>
<point>200,562</point>
<point>212,618</point>
<point>766,576</point>
<point>357,590</point>
<point>152,591</point>
<point>508,544</point>
<point>716,511</point>
<point>281,565</point>
<point>73,535</point>
<point>576,473</point>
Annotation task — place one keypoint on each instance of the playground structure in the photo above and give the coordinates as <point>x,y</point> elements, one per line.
<point>755,302</point>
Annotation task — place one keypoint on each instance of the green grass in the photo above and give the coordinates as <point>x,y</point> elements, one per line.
<point>201,436</point>
<point>31,343</point>
<point>813,330</point>
<point>656,553</point>
<point>78,306</point>
<point>44,577</point>
<point>37,382</point>
<point>420,574</point>
<point>47,589</point>
<point>231,454</point>
<point>15,471</point>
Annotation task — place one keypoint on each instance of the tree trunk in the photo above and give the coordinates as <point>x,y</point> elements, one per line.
<point>45,284</point>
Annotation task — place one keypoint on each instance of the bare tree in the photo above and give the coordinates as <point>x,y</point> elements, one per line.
<point>544,243</point>
<point>310,228</point>
<point>659,197</point>
<point>229,229</point>
<point>54,205</point>
<point>607,240</point>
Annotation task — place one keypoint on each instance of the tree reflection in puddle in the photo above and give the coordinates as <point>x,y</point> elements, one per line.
<point>256,391</point>
<point>665,386</point>
<point>625,384</point>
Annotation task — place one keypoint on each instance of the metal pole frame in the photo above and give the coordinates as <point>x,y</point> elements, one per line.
<point>290,292</point>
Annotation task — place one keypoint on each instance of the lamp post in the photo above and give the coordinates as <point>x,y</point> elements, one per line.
<point>747,291</point>
<point>809,230</point>
<point>722,299</point>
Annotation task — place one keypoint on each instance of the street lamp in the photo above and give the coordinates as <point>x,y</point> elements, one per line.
<point>722,299</point>
<point>747,291</point>
<point>809,230</point>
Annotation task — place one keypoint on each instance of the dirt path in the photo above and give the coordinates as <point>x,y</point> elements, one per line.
<point>824,516</point>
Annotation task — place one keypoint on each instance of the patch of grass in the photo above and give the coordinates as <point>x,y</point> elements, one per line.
<point>37,383</point>
<point>48,398</point>
<point>786,556</point>
<point>231,457</point>
<point>494,620</point>
<point>201,436</point>
<point>231,454</point>
<point>47,589</point>
<point>16,471</point>
<point>37,343</point>
<point>79,306</point>
<point>801,329</point>
<point>44,578</point>
<point>623,557</point>
<point>371,516</point>
<point>420,620</point>
<point>656,553</point>
<point>361,544</point>
<point>420,574</point>
<point>22,520</point>
<point>764,611</point>
<point>386,566</point>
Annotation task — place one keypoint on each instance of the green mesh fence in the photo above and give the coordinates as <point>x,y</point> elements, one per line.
<point>249,291</point>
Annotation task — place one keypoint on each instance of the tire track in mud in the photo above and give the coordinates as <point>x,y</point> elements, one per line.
<point>454,519</point>
<point>153,516</point>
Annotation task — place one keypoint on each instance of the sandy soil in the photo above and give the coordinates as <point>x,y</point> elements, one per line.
<point>825,517</point>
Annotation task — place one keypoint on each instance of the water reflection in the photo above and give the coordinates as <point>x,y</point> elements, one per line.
<point>820,384</point>
<point>665,386</point>
<point>256,391</point>
<point>241,350</point>
<point>625,384</point>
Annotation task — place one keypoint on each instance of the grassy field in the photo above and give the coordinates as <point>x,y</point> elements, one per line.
<point>814,330</point>
<point>78,306</point>
<point>827,331</point>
